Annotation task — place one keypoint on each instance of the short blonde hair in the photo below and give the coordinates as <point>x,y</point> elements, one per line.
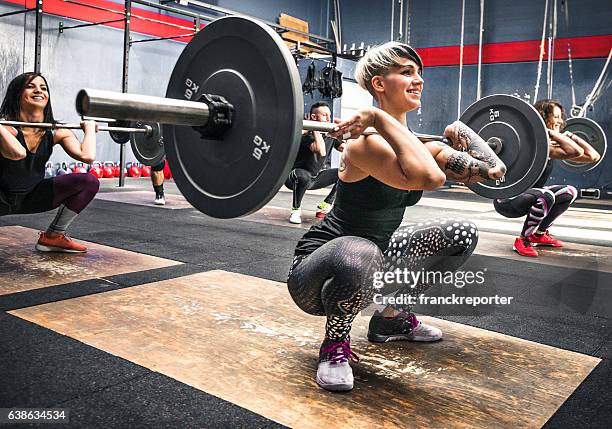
<point>378,60</point>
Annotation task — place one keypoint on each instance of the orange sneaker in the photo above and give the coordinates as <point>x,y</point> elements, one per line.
<point>544,240</point>
<point>61,243</point>
<point>524,248</point>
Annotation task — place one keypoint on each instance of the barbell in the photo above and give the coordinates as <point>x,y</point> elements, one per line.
<point>149,147</point>
<point>119,133</point>
<point>126,130</point>
<point>233,116</point>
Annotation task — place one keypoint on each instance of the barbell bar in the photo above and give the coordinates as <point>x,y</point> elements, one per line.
<point>258,110</point>
<point>59,125</point>
<point>137,107</point>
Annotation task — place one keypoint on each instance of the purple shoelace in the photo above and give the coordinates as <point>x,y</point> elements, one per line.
<point>413,320</point>
<point>339,352</point>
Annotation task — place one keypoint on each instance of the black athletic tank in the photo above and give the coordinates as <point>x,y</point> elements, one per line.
<point>20,177</point>
<point>545,175</point>
<point>367,208</point>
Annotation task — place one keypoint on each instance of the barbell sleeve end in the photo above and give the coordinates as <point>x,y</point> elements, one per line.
<point>82,103</point>
<point>136,107</point>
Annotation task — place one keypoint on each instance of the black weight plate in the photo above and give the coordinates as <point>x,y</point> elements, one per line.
<point>118,136</point>
<point>248,64</point>
<point>524,142</point>
<point>593,134</point>
<point>148,148</point>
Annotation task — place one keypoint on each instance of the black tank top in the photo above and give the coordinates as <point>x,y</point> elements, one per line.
<point>367,208</point>
<point>20,177</point>
<point>545,175</point>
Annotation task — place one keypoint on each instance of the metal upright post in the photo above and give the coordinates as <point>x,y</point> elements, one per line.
<point>551,49</point>
<point>479,72</point>
<point>38,35</point>
<point>407,31</point>
<point>461,59</point>
<point>124,83</point>
<point>392,19</point>
<point>400,33</point>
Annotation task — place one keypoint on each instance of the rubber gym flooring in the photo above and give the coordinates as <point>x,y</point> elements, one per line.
<point>173,319</point>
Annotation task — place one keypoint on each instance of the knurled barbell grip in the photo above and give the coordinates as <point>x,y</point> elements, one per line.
<point>328,127</point>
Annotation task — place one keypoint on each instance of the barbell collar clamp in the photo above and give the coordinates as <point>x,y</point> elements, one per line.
<point>148,130</point>
<point>220,113</point>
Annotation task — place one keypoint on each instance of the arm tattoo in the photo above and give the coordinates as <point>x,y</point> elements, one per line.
<point>465,167</point>
<point>464,137</point>
<point>478,149</point>
<point>479,168</point>
<point>456,162</point>
<point>490,160</point>
<point>476,146</point>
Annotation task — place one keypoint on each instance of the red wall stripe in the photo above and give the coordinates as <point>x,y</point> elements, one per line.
<point>87,14</point>
<point>510,52</point>
<point>505,52</point>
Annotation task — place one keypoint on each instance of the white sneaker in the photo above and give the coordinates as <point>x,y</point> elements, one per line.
<point>334,372</point>
<point>296,216</point>
<point>426,333</point>
<point>159,200</point>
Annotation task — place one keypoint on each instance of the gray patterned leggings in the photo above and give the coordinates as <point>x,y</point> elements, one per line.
<point>337,279</point>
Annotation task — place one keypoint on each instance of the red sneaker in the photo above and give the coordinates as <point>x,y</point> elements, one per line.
<point>61,243</point>
<point>524,248</point>
<point>323,209</point>
<point>544,240</point>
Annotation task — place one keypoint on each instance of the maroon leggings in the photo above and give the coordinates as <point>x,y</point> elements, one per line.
<point>74,190</point>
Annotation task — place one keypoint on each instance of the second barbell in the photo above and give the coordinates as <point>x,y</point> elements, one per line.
<point>145,129</point>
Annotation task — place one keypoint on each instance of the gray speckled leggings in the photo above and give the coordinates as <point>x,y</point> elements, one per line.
<point>337,279</point>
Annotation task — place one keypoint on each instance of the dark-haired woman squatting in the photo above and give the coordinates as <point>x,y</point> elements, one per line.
<point>543,204</point>
<point>24,152</point>
<point>380,174</point>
